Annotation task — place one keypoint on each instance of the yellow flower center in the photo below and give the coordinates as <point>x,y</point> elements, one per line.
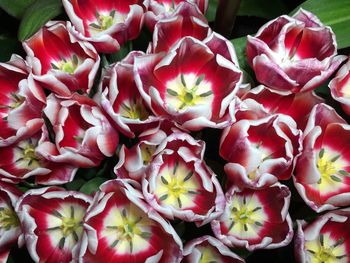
<point>69,66</point>
<point>188,90</point>
<point>147,152</point>
<point>105,21</point>
<point>135,110</point>
<point>177,186</point>
<point>129,229</point>
<point>26,157</point>
<point>8,218</point>
<point>208,255</point>
<point>325,250</point>
<point>71,225</point>
<point>329,166</point>
<point>244,216</point>
<point>16,101</point>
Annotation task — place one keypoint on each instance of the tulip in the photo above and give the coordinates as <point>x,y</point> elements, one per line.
<point>106,24</point>
<point>293,54</point>
<point>61,62</point>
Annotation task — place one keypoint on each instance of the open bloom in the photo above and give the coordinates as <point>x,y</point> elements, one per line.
<point>21,102</point>
<point>106,24</point>
<point>52,221</point>
<point>83,135</point>
<point>59,61</point>
<point>133,162</point>
<point>208,249</point>
<point>161,9</point>
<point>10,229</point>
<point>326,240</point>
<point>178,184</point>
<point>187,20</point>
<point>340,87</point>
<point>322,173</point>
<point>21,160</point>
<point>120,99</point>
<point>297,106</point>
<point>186,85</point>
<point>293,54</point>
<point>260,151</point>
<point>255,219</point>
<point>121,227</point>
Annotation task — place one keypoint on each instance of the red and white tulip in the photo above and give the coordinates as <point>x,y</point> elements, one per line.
<point>293,54</point>
<point>134,162</point>
<point>178,184</point>
<point>260,151</point>
<point>325,240</point>
<point>186,85</point>
<point>187,20</point>
<point>52,220</point>
<point>21,102</point>
<point>340,87</point>
<point>106,24</point>
<point>120,99</point>
<point>255,219</point>
<point>122,227</point>
<point>83,135</point>
<point>20,161</point>
<point>209,249</point>
<point>158,10</point>
<point>322,174</point>
<point>297,106</point>
<point>10,229</point>
<point>61,62</point>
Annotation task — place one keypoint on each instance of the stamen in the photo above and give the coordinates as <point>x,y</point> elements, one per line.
<point>182,77</point>
<point>61,243</point>
<point>188,176</point>
<point>321,153</point>
<point>115,243</point>
<point>163,197</point>
<point>200,79</point>
<point>175,167</point>
<point>206,94</point>
<point>164,181</point>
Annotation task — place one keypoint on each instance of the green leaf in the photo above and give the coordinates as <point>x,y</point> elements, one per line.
<point>121,54</point>
<point>211,12</point>
<point>10,260</point>
<point>15,8</point>
<point>260,8</point>
<point>92,186</point>
<point>37,15</point>
<point>334,13</point>
<point>240,45</point>
<point>75,184</point>
<point>8,46</point>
